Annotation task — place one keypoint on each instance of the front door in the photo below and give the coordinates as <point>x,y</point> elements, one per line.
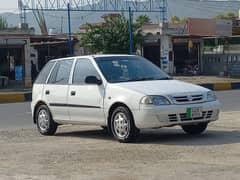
<point>85,101</point>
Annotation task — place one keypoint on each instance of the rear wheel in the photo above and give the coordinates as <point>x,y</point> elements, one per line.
<point>195,129</point>
<point>45,123</point>
<point>122,125</point>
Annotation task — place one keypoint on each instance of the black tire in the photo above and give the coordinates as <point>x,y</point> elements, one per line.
<point>195,129</point>
<point>105,129</point>
<point>49,127</point>
<point>129,131</point>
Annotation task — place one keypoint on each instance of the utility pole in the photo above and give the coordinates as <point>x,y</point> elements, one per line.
<point>130,31</point>
<point>61,24</point>
<point>22,12</point>
<point>70,45</point>
<point>164,11</point>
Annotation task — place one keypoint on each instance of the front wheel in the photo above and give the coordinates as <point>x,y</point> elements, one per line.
<point>122,125</point>
<point>195,129</point>
<point>105,128</point>
<point>45,123</point>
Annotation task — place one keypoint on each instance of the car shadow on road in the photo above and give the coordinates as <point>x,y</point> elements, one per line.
<point>178,137</point>
<point>166,136</point>
<point>90,134</point>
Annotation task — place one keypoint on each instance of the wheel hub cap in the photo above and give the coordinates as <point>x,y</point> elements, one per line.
<point>121,125</point>
<point>43,120</point>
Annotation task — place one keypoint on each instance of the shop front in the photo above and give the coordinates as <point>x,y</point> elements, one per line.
<point>12,62</point>
<point>187,55</point>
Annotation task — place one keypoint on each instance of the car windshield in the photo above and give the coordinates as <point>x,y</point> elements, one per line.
<point>129,68</point>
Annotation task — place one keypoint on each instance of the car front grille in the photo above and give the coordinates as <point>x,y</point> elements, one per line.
<point>185,99</point>
<point>183,116</point>
<point>209,114</point>
<point>173,117</point>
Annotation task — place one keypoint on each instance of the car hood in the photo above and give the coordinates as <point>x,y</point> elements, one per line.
<point>162,87</point>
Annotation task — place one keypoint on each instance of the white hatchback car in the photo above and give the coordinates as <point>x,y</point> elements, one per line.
<point>120,92</point>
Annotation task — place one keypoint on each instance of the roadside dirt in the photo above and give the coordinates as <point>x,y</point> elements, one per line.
<point>206,79</point>
<point>80,152</point>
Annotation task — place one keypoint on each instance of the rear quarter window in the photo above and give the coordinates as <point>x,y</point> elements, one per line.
<point>43,75</point>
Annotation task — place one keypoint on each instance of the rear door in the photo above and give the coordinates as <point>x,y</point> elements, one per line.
<point>56,90</point>
<point>85,101</point>
<point>40,82</point>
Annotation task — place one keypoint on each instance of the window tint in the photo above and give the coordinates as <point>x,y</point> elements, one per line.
<point>61,72</point>
<point>83,68</point>
<point>42,77</point>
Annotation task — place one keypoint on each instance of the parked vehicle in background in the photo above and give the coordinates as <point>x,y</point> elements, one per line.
<point>121,92</point>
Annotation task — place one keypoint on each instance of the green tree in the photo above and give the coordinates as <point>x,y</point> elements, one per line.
<point>112,36</point>
<point>3,23</point>
<point>176,20</point>
<point>230,15</point>
<point>220,16</point>
<point>227,15</point>
<point>143,19</point>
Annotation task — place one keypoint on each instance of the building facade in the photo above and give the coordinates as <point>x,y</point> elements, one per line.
<point>19,49</point>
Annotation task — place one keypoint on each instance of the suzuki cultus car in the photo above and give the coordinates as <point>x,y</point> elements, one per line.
<point>122,93</point>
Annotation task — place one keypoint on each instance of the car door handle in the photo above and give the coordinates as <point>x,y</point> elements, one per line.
<point>47,92</point>
<point>73,93</point>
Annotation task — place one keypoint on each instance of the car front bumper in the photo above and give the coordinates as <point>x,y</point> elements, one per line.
<point>170,115</point>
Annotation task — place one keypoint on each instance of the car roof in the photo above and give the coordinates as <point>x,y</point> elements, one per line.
<point>110,55</point>
<point>93,56</point>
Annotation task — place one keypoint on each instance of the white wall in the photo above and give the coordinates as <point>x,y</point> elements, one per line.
<point>166,47</point>
<point>27,77</point>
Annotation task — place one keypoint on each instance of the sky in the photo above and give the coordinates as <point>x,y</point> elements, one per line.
<point>9,5</point>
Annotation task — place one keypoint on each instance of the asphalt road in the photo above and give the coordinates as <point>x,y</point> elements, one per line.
<point>18,115</point>
<point>230,100</point>
<point>15,116</point>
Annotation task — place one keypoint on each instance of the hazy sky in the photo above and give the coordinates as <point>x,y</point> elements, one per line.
<point>9,5</point>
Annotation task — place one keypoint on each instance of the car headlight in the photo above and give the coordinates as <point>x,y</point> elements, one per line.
<point>211,96</point>
<point>155,100</point>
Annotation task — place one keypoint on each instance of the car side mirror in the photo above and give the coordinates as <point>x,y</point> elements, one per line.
<point>93,80</point>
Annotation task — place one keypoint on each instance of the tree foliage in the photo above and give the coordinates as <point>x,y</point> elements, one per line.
<point>176,20</point>
<point>227,15</point>
<point>3,23</point>
<point>113,35</point>
<point>143,19</point>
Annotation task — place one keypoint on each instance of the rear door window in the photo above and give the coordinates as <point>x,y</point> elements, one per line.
<point>61,72</point>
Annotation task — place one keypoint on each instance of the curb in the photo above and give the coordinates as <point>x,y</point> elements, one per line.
<point>26,97</point>
<point>15,97</point>
<point>221,86</point>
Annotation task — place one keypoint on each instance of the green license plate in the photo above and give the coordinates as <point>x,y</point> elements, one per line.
<point>194,112</point>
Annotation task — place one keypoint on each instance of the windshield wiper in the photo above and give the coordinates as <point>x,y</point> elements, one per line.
<point>165,78</point>
<point>141,79</point>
